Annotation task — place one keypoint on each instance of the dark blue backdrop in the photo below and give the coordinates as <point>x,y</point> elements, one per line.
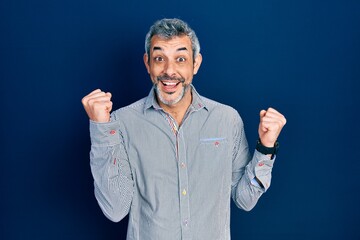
<point>301,57</point>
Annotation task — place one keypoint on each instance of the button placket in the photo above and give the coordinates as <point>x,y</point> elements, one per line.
<point>183,185</point>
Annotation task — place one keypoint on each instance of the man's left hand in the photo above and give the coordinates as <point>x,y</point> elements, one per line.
<point>271,123</point>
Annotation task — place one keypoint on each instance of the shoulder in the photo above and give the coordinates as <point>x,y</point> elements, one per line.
<point>217,107</point>
<point>225,117</point>
<point>129,110</point>
<point>220,112</point>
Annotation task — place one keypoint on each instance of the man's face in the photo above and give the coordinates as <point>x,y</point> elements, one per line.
<point>171,67</point>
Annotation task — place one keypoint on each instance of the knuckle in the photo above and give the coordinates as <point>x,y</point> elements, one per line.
<point>91,101</point>
<point>84,100</point>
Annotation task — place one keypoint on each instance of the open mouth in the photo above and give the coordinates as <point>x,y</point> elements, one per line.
<point>169,87</point>
<point>170,84</point>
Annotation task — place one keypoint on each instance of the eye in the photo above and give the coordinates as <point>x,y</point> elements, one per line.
<point>158,59</point>
<point>181,59</point>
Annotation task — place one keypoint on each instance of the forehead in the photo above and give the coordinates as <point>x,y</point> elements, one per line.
<point>171,44</point>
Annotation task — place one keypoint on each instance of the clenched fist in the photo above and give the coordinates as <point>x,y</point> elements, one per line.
<point>98,105</point>
<point>271,123</point>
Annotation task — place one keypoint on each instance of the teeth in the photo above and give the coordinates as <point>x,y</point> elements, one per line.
<point>169,83</point>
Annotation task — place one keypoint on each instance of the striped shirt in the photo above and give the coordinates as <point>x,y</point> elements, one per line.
<point>175,182</point>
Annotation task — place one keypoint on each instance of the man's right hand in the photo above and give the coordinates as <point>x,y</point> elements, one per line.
<point>98,105</point>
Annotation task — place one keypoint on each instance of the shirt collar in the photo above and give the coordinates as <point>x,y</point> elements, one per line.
<point>196,104</point>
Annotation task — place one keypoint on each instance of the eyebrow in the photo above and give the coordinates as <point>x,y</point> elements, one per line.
<point>179,49</point>
<point>182,49</point>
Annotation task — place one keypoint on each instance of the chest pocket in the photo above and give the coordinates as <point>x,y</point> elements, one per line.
<point>213,156</point>
<point>215,142</point>
<point>213,149</point>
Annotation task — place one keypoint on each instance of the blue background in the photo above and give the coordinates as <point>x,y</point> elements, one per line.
<point>301,57</point>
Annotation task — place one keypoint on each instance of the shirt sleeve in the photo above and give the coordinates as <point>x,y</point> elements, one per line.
<point>110,167</point>
<point>246,191</point>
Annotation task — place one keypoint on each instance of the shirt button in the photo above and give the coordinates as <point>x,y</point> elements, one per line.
<point>183,165</point>
<point>112,132</point>
<point>186,222</point>
<point>183,192</point>
<point>261,164</point>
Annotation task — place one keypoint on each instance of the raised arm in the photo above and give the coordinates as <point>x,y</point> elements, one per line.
<point>252,176</point>
<point>109,162</point>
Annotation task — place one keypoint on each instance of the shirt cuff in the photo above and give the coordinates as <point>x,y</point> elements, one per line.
<point>104,134</point>
<point>261,167</point>
<point>255,183</point>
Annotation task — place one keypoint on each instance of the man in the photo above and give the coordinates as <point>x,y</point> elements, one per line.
<point>172,160</point>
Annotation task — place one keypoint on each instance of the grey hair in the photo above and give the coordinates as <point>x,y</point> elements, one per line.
<point>169,28</point>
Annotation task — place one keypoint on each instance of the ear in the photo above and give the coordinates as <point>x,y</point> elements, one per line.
<point>197,63</point>
<point>146,62</point>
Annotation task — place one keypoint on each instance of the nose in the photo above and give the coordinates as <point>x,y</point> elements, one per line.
<point>170,68</point>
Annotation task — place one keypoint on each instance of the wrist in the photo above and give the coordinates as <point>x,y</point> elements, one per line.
<point>268,144</point>
<point>266,150</point>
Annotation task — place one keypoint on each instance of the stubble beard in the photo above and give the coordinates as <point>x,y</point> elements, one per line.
<point>174,101</point>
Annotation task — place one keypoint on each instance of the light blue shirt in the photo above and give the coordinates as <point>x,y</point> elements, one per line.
<point>175,181</point>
